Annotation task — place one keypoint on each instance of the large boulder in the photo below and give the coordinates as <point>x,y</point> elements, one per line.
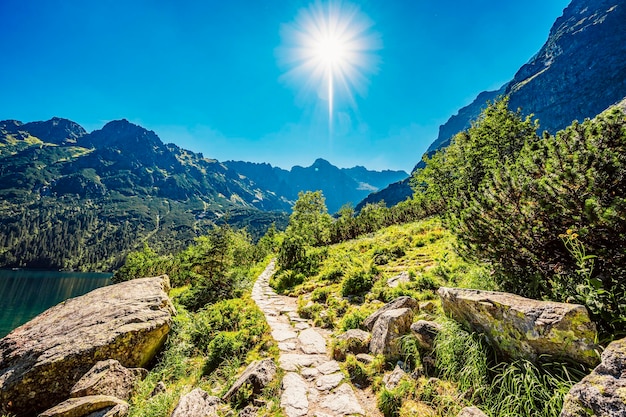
<point>400,302</point>
<point>93,405</point>
<point>198,403</point>
<point>425,332</point>
<point>109,378</point>
<point>603,392</point>
<point>257,375</point>
<point>387,331</point>
<point>42,360</point>
<point>523,328</point>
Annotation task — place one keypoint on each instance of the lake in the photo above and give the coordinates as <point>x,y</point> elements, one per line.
<point>26,293</point>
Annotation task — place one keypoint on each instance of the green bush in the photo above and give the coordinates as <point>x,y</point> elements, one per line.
<point>357,372</point>
<point>510,196</point>
<point>357,283</point>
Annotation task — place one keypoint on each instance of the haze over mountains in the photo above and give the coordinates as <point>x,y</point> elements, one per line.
<point>579,72</point>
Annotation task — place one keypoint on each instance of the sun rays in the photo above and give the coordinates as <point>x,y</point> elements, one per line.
<point>330,49</point>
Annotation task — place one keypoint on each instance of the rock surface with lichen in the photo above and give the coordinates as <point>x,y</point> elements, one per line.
<point>603,392</point>
<point>523,328</point>
<point>42,360</point>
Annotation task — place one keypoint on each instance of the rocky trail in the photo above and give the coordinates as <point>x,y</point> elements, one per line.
<point>313,384</point>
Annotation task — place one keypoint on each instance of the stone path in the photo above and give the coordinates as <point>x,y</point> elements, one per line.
<point>313,384</point>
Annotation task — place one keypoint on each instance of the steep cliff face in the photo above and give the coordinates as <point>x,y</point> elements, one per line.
<point>581,69</point>
<point>579,72</point>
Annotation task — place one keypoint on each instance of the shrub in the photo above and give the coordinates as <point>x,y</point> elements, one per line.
<point>357,283</point>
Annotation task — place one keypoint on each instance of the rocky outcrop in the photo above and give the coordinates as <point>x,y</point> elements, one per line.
<point>603,392</point>
<point>521,327</point>
<point>100,405</point>
<point>401,278</point>
<point>579,72</point>
<point>353,341</point>
<point>257,375</point>
<point>393,378</point>
<point>400,302</point>
<point>198,403</point>
<point>42,360</point>
<point>389,326</point>
<point>425,333</point>
<point>109,378</point>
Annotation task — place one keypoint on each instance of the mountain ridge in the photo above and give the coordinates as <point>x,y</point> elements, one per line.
<point>579,72</point>
<point>339,185</point>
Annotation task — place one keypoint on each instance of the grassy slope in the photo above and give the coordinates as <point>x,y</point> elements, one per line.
<point>463,373</point>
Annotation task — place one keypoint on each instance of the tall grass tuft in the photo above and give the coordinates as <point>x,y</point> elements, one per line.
<point>523,389</point>
<point>461,357</point>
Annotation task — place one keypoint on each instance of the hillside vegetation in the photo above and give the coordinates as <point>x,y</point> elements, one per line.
<point>534,215</point>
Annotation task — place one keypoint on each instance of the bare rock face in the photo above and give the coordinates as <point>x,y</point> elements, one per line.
<point>258,374</point>
<point>198,403</point>
<point>43,359</point>
<point>109,378</point>
<point>400,302</point>
<point>100,405</point>
<point>523,328</point>
<point>425,333</point>
<point>388,328</point>
<point>603,392</point>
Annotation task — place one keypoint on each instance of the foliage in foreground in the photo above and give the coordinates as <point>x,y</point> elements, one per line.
<point>216,266</point>
<point>548,213</point>
<point>208,349</point>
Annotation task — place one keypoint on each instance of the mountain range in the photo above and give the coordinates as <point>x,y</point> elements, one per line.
<point>339,185</point>
<point>579,72</point>
<point>72,199</point>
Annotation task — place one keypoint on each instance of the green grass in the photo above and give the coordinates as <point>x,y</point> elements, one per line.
<point>209,349</point>
<point>349,282</point>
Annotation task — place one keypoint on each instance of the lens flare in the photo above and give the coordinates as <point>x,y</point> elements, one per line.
<point>330,49</point>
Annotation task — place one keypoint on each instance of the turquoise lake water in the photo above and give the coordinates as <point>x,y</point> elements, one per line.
<point>24,293</point>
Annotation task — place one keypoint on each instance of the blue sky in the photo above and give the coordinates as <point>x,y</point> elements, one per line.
<point>210,75</point>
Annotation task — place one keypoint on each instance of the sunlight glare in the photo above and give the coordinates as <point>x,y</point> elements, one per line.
<point>330,49</point>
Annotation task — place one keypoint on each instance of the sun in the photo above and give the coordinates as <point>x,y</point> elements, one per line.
<point>330,48</point>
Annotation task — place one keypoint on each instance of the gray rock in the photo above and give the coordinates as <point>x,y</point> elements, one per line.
<point>401,278</point>
<point>392,379</point>
<point>294,361</point>
<point>356,340</point>
<point>523,328</point>
<point>425,333</point>
<point>471,412</point>
<point>427,306</point>
<point>109,378</point>
<point>198,403</point>
<point>294,399</point>
<point>386,333</point>
<point>329,367</point>
<point>42,360</point>
<point>258,374</point>
<point>603,392</point>
<point>343,401</point>
<point>400,302</point>
<point>102,405</point>
<point>312,342</point>
<point>365,358</point>
<point>328,382</point>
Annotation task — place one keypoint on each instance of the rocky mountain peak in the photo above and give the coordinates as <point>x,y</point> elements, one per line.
<point>56,130</point>
<point>125,136</point>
